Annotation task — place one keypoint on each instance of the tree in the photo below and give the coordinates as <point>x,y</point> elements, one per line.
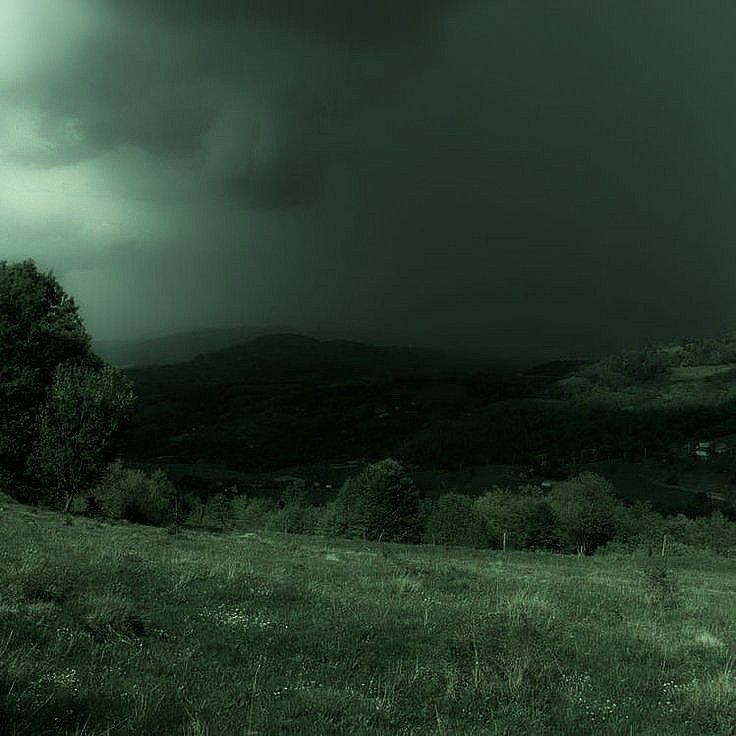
<point>76,427</point>
<point>40,328</point>
<point>381,503</point>
<point>588,514</point>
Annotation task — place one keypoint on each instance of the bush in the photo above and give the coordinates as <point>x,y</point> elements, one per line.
<point>138,497</point>
<point>327,521</point>
<point>248,513</point>
<point>380,503</point>
<point>588,514</point>
<point>526,519</point>
<point>454,519</point>
<point>293,519</point>
<point>218,513</point>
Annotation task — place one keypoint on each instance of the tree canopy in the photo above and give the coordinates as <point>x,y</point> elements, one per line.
<point>47,364</point>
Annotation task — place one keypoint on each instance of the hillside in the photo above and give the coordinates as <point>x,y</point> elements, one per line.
<point>294,405</point>
<point>286,400</point>
<point>691,374</point>
<point>176,347</point>
<point>120,629</point>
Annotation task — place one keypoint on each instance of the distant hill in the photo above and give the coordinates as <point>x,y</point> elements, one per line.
<point>693,373</point>
<point>287,400</point>
<point>178,347</point>
<point>294,356</point>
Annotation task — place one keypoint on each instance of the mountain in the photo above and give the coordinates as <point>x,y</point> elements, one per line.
<point>177,347</point>
<point>295,356</point>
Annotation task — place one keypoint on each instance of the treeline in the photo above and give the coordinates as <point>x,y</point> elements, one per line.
<point>381,503</point>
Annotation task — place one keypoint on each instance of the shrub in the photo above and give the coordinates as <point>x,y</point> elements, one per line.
<point>218,512</point>
<point>248,513</point>
<point>293,519</point>
<point>294,494</point>
<point>540,521</point>
<point>327,520</point>
<point>454,519</point>
<point>525,518</point>
<point>133,495</point>
<point>381,502</point>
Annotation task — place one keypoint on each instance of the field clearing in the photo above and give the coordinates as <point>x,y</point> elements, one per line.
<point>119,629</point>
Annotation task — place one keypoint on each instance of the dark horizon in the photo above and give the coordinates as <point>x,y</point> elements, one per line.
<point>511,179</point>
<point>217,337</point>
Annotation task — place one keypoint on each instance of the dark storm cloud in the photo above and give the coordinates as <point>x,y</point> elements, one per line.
<point>362,22</point>
<point>167,77</point>
<point>489,174</point>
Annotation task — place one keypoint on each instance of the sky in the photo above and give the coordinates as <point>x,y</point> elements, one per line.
<point>513,177</point>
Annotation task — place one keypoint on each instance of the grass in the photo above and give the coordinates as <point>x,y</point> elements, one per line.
<point>118,629</point>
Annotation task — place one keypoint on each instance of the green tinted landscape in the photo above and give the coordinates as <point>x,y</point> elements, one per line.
<point>120,629</point>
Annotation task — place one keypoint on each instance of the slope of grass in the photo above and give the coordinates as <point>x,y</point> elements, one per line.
<point>117,629</point>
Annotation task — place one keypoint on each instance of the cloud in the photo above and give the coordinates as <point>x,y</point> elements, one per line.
<point>367,23</point>
<point>262,92</point>
<point>471,173</point>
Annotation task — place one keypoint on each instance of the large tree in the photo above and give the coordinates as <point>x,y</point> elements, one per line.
<point>40,330</point>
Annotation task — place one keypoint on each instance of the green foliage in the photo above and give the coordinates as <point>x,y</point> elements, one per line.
<point>77,426</point>
<point>294,519</point>
<point>588,514</point>
<point>249,512</point>
<point>218,513</point>
<point>124,493</point>
<point>713,351</point>
<point>40,329</point>
<point>381,502</point>
<point>540,520</point>
<point>454,519</point>
<point>630,367</point>
<point>661,585</point>
<point>295,493</point>
<point>328,521</point>
<point>523,517</point>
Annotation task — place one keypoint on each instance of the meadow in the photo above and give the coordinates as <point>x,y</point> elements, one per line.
<point>124,629</point>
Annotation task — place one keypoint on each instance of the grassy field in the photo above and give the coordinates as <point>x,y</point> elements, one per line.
<point>118,629</point>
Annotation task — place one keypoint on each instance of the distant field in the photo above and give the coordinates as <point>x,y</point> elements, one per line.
<point>699,372</point>
<point>111,630</point>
